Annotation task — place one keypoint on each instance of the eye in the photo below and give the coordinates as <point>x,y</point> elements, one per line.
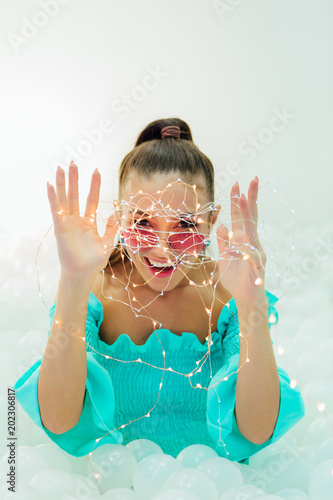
<point>188,223</point>
<point>185,224</point>
<point>140,222</point>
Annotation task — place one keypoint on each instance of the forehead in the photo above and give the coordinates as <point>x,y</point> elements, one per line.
<point>163,194</point>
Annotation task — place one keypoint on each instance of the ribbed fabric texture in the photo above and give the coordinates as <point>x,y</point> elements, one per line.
<point>120,391</point>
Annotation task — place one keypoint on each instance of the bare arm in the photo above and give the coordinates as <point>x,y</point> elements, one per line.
<point>63,371</point>
<point>258,386</point>
<point>82,254</point>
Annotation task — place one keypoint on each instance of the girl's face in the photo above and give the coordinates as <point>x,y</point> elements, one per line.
<point>161,204</point>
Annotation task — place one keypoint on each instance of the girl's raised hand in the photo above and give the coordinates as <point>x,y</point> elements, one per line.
<point>81,250</point>
<point>242,259</point>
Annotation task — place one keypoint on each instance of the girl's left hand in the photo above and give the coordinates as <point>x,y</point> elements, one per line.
<point>243,278</point>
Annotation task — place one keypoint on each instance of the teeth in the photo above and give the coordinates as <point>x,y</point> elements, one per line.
<point>158,264</point>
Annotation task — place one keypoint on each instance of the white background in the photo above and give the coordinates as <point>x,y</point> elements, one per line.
<point>228,66</point>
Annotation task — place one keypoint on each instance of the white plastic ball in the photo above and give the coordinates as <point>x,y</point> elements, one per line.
<point>25,428</point>
<point>175,494</point>
<point>151,474</point>
<point>119,494</point>
<point>243,492</point>
<point>192,455</point>
<point>79,464</point>
<point>55,456</point>
<point>30,461</point>
<point>287,442</point>
<point>319,430</point>
<point>299,430</point>
<point>222,472</point>
<point>194,480</point>
<point>23,491</point>
<point>52,484</point>
<point>8,370</point>
<point>113,466</point>
<point>31,347</point>
<point>321,481</point>
<point>267,497</point>
<point>141,448</point>
<point>288,470</point>
<point>322,362</point>
<point>325,451</point>
<point>254,477</point>
<point>85,487</point>
<point>292,494</point>
<point>318,397</point>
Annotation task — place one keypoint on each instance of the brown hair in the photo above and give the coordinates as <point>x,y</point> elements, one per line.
<point>152,155</point>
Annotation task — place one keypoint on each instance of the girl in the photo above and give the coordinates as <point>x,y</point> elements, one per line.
<point>151,338</point>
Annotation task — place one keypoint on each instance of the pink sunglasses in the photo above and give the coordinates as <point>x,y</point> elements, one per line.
<point>144,240</point>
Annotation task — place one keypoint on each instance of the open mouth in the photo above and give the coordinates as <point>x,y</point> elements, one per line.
<point>161,269</point>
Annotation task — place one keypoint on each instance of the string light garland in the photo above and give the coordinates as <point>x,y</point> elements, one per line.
<point>191,261</point>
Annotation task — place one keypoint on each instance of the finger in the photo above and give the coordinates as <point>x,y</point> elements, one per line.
<point>249,225</point>
<point>61,189</point>
<point>236,217</point>
<point>222,235</point>
<point>110,231</point>
<point>252,197</point>
<point>73,189</point>
<point>54,205</point>
<point>251,256</point>
<point>93,196</point>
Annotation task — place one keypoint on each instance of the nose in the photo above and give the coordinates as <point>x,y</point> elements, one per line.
<point>162,249</point>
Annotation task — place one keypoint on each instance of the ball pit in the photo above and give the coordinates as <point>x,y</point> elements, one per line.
<point>297,467</point>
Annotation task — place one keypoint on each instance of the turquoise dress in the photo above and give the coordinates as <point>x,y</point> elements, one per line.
<point>119,392</point>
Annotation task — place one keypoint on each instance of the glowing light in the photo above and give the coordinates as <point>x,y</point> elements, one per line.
<point>272,318</point>
<point>321,406</point>
<point>142,310</point>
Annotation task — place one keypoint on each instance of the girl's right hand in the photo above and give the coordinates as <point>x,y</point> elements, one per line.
<point>81,250</point>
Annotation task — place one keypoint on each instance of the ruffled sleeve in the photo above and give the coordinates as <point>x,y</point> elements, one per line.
<point>227,435</point>
<point>98,410</point>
